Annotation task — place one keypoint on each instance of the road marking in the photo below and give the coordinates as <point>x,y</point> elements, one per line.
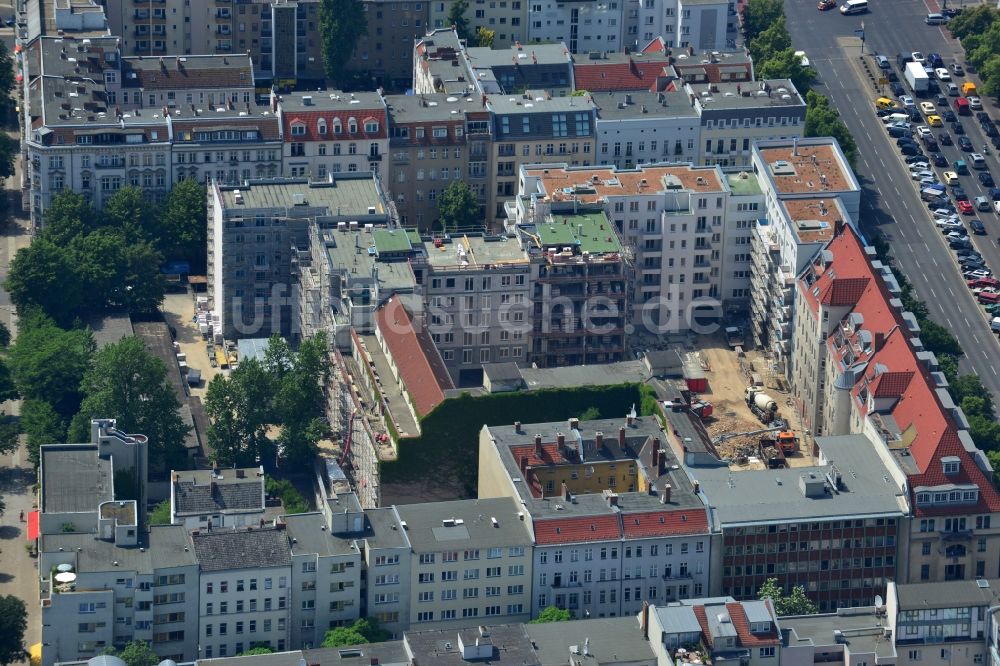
<point>994,370</point>
<point>951,292</point>
<point>967,322</point>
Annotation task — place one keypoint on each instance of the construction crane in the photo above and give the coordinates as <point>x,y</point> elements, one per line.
<point>347,440</point>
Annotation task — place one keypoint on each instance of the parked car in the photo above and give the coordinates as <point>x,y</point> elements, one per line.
<point>945,139</point>
<point>957,128</point>
<point>942,74</point>
<point>982,203</point>
<point>949,116</point>
<point>985,179</point>
<point>965,207</point>
<point>964,144</point>
<point>910,149</point>
<point>897,88</point>
<point>826,5</point>
<point>882,62</point>
<point>957,70</point>
<point>960,196</point>
<point>994,193</point>
<point>940,160</point>
<point>975,103</point>
<point>950,178</point>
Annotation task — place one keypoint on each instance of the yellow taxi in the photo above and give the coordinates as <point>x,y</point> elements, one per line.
<point>935,121</point>
<point>885,103</point>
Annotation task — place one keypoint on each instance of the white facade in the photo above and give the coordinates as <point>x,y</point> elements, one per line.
<point>646,128</point>
<point>595,25</point>
<point>701,26</point>
<point>241,608</point>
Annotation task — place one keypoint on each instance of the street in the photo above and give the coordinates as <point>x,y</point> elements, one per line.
<point>891,202</point>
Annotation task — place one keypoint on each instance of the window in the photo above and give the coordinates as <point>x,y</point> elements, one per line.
<point>766,652</point>
<point>298,129</point>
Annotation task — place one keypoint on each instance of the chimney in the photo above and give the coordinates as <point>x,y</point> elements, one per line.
<point>644,622</point>
<point>561,439</point>
<point>484,100</point>
<point>621,437</point>
<point>661,465</point>
<point>838,227</point>
<point>612,497</point>
<point>656,454</point>
<point>565,492</point>
<point>177,62</point>
<point>517,427</point>
<point>215,487</point>
<point>665,495</point>
<point>524,465</point>
<point>697,487</point>
<point>598,439</point>
<point>878,342</point>
<point>629,419</point>
<point>574,423</point>
<point>538,445</point>
<point>240,474</point>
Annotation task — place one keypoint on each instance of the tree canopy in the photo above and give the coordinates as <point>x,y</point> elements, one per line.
<point>364,630</point>
<point>135,653</point>
<point>796,603</point>
<point>182,227</point>
<point>457,207</point>
<point>823,120</point>
<point>127,382</point>
<point>978,28</point>
<point>48,363</point>
<point>551,614</point>
<point>456,17</point>
<point>758,15</point>
<point>341,24</point>
<point>13,623</point>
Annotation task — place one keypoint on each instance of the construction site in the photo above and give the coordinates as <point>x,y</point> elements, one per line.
<point>750,415</point>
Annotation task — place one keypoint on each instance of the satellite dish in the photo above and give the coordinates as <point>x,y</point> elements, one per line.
<point>878,601</point>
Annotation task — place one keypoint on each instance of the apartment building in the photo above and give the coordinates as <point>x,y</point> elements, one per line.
<point>217,498</point>
<point>166,119</point>
<point>385,54</point>
<point>672,218</point>
<point>713,66</point>
<point>745,208</point>
<point>282,38</point>
<point>244,596</point>
<point>698,25</point>
<point>942,623</point>
<point>646,128</point>
<point>596,25</point>
<point>332,132</point>
<point>536,129</point>
<point>428,150</point>
<point>477,294</point>
<point>580,290</point>
<point>252,229</point>
<point>443,63</point>
<point>473,564</point>
<point>736,116</point>
<point>849,637</point>
<point>508,18</point>
<point>876,378</point>
<point>723,629</point>
<point>614,521</point>
<point>808,185</point>
<point>79,18</point>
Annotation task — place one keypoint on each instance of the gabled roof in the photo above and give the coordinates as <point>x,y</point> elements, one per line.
<point>738,615</point>
<point>664,523</point>
<point>579,529</point>
<point>891,384</point>
<point>843,291</point>
<point>633,74</point>
<point>311,121</point>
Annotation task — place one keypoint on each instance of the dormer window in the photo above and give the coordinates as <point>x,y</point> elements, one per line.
<point>352,126</point>
<point>371,126</point>
<point>338,128</point>
<point>321,126</point>
<point>950,464</point>
<point>298,129</point>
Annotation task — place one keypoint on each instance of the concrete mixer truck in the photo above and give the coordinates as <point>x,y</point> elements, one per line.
<point>761,404</point>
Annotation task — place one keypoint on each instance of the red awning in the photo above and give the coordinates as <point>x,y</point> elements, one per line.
<point>32,525</point>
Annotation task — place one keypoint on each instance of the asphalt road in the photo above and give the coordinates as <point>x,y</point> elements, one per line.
<point>891,203</point>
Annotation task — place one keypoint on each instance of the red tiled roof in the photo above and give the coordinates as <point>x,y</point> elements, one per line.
<point>656,45</point>
<point>738,615</point>
<point>420,367</point>
<point>578,529</point>
<point>893,371</point>
<point>607,77</point>
<point>699,612</point>
<point>842,292</point>
<point>550,454</point>
<point>311,118</point>
<point>664,523</point>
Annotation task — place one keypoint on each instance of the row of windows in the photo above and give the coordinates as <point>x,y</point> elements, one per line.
<point>467,612</point>
<point>370,124</point>
<point>245,584</point>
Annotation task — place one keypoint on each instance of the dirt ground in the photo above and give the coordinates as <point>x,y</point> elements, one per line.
<point>728,377</point>
<point>178,308</point>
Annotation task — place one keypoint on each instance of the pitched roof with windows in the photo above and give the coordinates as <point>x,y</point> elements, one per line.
<point>330,116</point>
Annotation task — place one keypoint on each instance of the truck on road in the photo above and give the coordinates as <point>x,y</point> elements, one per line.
<point>761,404</point>
<point>917,77</point>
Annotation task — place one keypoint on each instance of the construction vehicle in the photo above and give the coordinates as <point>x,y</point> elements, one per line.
<point>702,408</point>
<point>785,441</point>
<point>761,404</point>
<point>771,455</point>
<point>734,336</point>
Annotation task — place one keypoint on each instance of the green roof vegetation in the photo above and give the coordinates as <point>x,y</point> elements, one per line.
<point>591,232</point>
<point>414,237</point>
<point>748,185</point>
<point>391,241</point>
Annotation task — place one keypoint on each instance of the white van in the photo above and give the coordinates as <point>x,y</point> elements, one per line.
<point>854,7</point>
<point>935,19</point>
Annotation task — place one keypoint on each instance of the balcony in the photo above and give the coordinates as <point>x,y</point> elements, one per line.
<point>377,157</point>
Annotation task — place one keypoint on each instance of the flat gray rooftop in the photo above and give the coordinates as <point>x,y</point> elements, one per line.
<point>348,251</point>
<point>475,252</point>
<point>383,529</point>
<point>747,95</point>
<point>644,105</point>
<point>528,54</point>
<point>776,495</point>
<point>350,194</point>
<point>74,479</point>
<point>330,100</point>
<point>307,536</point>
<point>518,104</point>
<point>511,645</point>
<point>864,633</point>
<point>433,526</point>
<point>605,374</point>
<point>952,594</point>
<point>165,546</point>
<point>613,640</point>
<point>430,107</point>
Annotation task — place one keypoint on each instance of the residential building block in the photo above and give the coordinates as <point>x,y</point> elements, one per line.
<point>217,498</point>
<point>646,128</point>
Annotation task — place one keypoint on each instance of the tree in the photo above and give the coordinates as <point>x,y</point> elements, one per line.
<point>341,23</point>
<point>342,637</point>
<point>456,17</point>
<point>48,363</point>
<point>240,409</point>
<point>973,21</point>
<point>823,120</point>
<point>989,72</point>
<point>13,623</point>
<point>786,65</point>
<point>135,653</point>
<point>9,432</point>
<point>590,414</point>
<point>551,614</point>
<point>259,649</point>
<point>160,515</point>
<point>772,40</point>
<point>182,230</point>
<point>457,207</point>
<point>128,383</point>
<point>938,339</point>
<point>485,37</point>
<point>67,216</point>
<point>128,211</point>
<point>797,603</point>
<point>43,275</point>
<point>298,402</point>
<point>758,15</point>
<point>42,425</point>
<point>9,149</point>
